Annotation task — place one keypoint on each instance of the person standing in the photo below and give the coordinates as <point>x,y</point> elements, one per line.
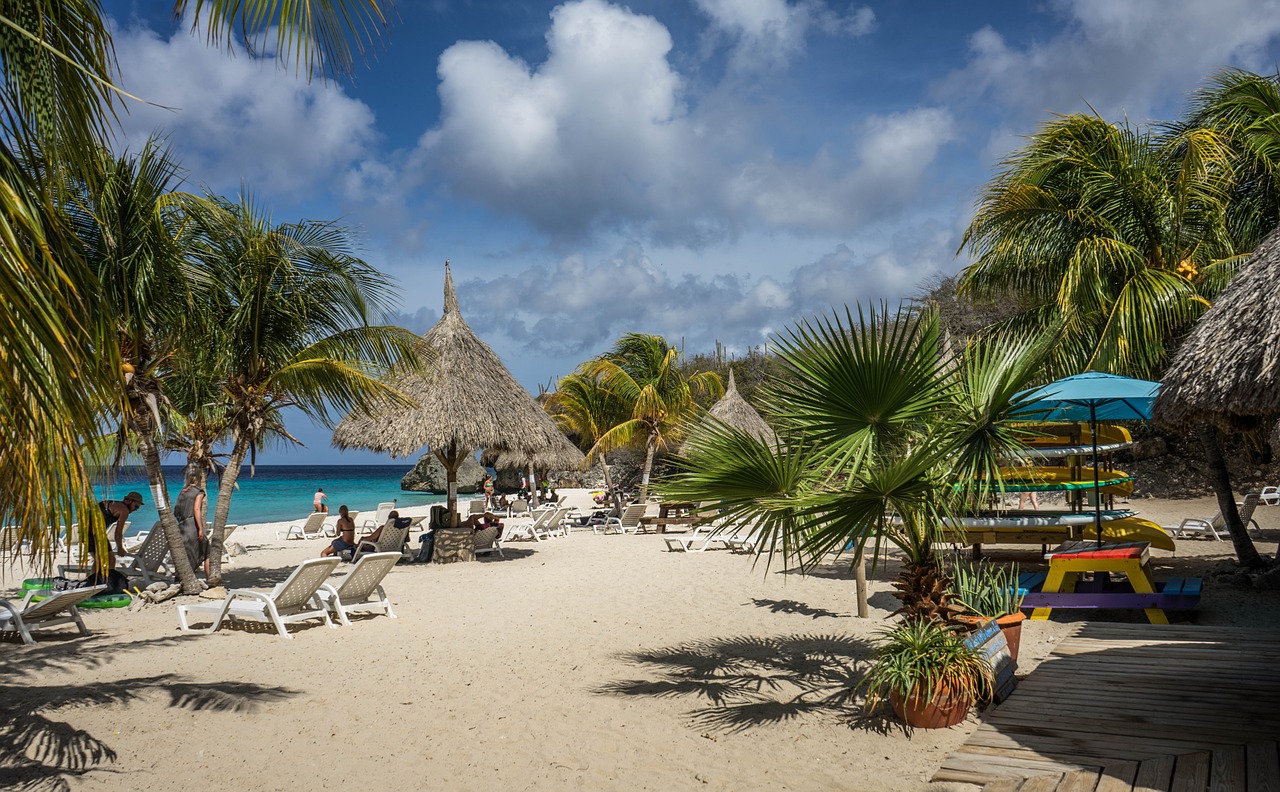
<point>189,511</point>
<point>524,486</point>
<point>317,501</point>
<point>488,491</point>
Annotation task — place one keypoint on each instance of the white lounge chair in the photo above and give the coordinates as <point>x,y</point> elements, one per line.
<point>744,539</point>
<point>554,525</point>
<point>56,608</point>
<point>629,521</point>
<point>313,528</point>
<point>148,561</point>
<point>379,517</point>
<point>391,540</point>
<point>1216,526</point>
<point>294,600</point>
<point>534,528</point>
<point>487,541</point>
<point>361,590</point>
<point>697,540</point>
<point>1270,496</point>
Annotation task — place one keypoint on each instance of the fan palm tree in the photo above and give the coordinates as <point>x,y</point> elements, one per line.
<point>59,365</point>
<point>296,311</point>
<point>584,407</point>
<point>1118,235</point>
<point>882,440</point>
<point>644,373</point>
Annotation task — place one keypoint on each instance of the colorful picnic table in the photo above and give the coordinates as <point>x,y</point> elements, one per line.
<point>1072,559</point>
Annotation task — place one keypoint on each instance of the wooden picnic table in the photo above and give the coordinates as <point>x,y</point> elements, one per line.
<point>672,514</point>
<point>1070,560</point>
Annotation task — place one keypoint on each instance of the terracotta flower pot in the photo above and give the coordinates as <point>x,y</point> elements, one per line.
<point>945,709</point>
<point>1010,625</point>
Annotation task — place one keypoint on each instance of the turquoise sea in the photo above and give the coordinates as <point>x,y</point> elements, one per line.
<point>279,492</point>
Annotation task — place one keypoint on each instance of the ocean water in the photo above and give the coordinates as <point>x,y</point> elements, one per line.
<point>278,492</point>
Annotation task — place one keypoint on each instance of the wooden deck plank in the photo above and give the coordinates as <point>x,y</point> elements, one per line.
<point>1154,774</point>
<point>1191,773</point>
<point>1262,766</point>
<point>1227,773</point>
<point>1130,707</point>
<point>1044,783</point>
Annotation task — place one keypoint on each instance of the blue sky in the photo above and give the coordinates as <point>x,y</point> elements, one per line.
<point>710,170</point>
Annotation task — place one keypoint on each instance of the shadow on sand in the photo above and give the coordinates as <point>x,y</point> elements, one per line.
<point>755,681</point>
<point>38,752</point>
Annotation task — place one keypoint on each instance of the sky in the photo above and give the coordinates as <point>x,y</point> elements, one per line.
<point>707,170</point>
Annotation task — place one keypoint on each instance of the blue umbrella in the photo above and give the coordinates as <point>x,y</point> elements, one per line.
<point>1089,397</point>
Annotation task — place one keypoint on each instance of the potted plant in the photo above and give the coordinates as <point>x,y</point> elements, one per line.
<point>927,673</point>
<point>990,591</point>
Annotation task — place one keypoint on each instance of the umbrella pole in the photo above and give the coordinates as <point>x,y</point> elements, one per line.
<point>1097,494</point>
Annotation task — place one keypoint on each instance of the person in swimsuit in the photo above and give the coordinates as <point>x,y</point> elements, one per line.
<point>346,541</point>
<point>117,513</point>
<point>317,501</point>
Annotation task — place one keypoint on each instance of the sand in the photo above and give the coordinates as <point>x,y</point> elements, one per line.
<point>596,662</point>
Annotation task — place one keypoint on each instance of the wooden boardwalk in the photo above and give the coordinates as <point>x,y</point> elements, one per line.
<point>1136,707</point>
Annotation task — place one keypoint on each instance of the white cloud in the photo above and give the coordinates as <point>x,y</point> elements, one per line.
<point>602,135</point>
<point>239,118</point>
<point>1121,58</point>
<point>768,33</point>
<point>573,309</point>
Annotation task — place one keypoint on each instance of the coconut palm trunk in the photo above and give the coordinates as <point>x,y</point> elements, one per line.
<point>533,488</point>
<point>650,449</point>
<point>608,485</point>
<point>1246,553</point>
<point>144,426</point>
<point>226,487</point>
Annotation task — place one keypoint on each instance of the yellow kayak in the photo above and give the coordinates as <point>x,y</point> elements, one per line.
<point>1131,529</point>
<point>1058,479</point>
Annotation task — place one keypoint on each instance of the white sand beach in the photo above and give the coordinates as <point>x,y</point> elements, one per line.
<point>598,662</point>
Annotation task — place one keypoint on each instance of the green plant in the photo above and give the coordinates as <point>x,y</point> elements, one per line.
<point>986,589</point>
<point>919,658</point>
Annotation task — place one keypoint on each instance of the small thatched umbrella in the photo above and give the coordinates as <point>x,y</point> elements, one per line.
<point>738,413</point>
<point>1227,374</point>
<point>467,401</point>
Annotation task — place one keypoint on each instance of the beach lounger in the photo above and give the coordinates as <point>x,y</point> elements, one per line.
<point>294,600</point>
<point>487,541</point>
<point>1270,496</point>
<point>313,528</point>
<point>746,539</point>
<point>1215,526</point>
<point>629,521</point>
<point>149,561</point>
<point>697,540</point>
<point>361,590</point>
<point>391,540</point>
<point>379,517</point>
<point>57,608</point>
<point>534,528</point>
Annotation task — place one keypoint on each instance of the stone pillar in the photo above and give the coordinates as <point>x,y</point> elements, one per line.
<point>454,544</point>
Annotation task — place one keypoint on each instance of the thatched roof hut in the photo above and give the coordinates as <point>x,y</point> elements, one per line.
<point>738,413</point>
<point>467,401</point>
<point>1227,372</point>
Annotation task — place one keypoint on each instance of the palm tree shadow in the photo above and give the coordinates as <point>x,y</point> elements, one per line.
<point>749,681</point>
<point>38,752</point>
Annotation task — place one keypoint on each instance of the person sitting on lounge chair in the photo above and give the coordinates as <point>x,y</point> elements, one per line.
<point>346,541</point>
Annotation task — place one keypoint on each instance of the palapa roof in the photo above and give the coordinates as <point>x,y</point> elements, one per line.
<point>467,399</point>
<point>1227,372</point>
<point>738,413</point>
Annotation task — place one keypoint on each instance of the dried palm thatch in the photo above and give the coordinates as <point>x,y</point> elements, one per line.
<point>738,413</point>
<point>1227,372</point>
<point>466,401</point>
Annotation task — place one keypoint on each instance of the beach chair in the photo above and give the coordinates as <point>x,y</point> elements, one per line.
<point>149,561</point>
<point>476,506</point>
<point>313,528</point>
<point>556,524</point>
<point>629,521</point>
<point>227,530</point>
<point>379,518</point>
<point>487,541</point>
<point>391,540</point>
<point>361,590</point>
<point>1215,526</point>
<point>294,600</point>
<point>531,528</point>
<point>58,607</point>
<point>745,539</point>
<point>1270,496</point>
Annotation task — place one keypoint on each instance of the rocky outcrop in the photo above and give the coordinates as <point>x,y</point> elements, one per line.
<point>429,476</point>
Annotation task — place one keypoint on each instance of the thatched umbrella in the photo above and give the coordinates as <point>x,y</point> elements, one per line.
<point>1227,374</point>
<point>738,413</point>
<point>466,401</point>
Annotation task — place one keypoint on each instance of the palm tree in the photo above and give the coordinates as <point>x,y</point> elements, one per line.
<point>59,365</point>
<point>1119,236</point>
<point>582,406</point>
<point>644,373</point>
<point>126,220</point>
<point>882,439</point>
<point>296,309</point>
